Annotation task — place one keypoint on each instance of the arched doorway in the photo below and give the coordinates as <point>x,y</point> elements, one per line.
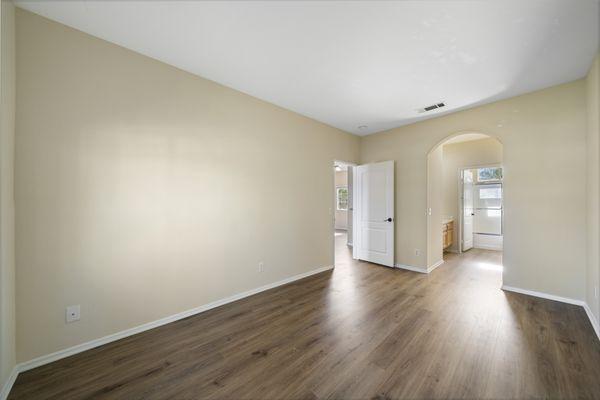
<point>465,179</point>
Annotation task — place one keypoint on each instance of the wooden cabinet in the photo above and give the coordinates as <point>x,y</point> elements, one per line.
<point>448,234</point>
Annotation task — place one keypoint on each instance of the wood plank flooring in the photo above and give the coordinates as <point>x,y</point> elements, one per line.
<point>359,332</point>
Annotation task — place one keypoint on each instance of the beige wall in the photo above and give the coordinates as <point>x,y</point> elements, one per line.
<point>341,217</point>
<point>7,210</point>
<point>458,156</point>
<point>133,175</point>
<point>593,191</point>
<point>544,138</point>
<point>435,198</point>
<point>143,191</point>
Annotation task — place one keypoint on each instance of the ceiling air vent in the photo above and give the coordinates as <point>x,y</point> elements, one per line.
<point>431,107</point>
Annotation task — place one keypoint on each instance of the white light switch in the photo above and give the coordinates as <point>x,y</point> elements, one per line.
<point>73,313</point>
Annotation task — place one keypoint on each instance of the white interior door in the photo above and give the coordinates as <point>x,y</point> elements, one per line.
<point>468,210</point>
<point>374,210</point>
<point>350,205</point>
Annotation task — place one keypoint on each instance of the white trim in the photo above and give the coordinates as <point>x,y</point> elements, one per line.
<point>9,383</point>
<point>412,268</point>
<point>421,270</point>
<point>488,242</point>
<point>544,295</point>
<point>434,266</point>
<point>486,247</point>
<point>593,319</point>
<point>37,362</point>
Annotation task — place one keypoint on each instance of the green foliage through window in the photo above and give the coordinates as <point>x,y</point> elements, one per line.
<point>342,198</point>
<point>489,174</point>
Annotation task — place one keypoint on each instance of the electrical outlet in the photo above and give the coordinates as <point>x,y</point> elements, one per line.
<point>261,266</point>
<point>73,313</point>
<point>417,252</point>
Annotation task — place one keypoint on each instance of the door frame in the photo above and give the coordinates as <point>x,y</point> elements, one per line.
<point>460,197</point>
<point>334,207</point>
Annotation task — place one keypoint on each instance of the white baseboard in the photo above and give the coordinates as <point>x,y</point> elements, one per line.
<point>593,319</point>
<point>543,295</point>
<point>488,247</point>
<point>488,242</point>
<point>412,268</point>
<point>9,383</point>
<point>25,366</point>
<point>434,266</point>
<point>421,270</point>
<point>37,362</point>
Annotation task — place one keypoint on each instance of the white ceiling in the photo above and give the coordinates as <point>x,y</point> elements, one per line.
<point>356,63</point>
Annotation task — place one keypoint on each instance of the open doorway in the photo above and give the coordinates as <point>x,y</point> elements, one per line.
<point>481,201</point>
<point>343,211</point>
<point>465,182</point>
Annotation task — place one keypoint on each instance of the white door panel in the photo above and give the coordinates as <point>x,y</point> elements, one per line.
<point>375,240</point>
<point>374,210</point>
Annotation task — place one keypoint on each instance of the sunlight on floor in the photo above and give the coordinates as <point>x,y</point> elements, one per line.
<point>489,266</point>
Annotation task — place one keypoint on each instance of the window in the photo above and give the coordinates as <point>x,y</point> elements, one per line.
<point>342,198</point>
<point>489,174</point>
<point>490,193</point>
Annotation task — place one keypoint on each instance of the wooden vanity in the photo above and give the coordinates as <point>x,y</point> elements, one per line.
<point>448,233</point>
